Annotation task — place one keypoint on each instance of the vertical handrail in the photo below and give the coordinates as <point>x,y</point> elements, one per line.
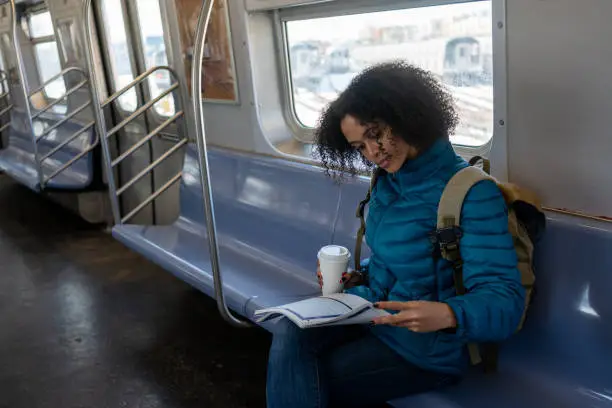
<point>97,109</point>
<point>196,86</point>
<point>24,88</point>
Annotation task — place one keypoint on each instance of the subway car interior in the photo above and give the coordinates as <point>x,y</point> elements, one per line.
<point>160,185</point>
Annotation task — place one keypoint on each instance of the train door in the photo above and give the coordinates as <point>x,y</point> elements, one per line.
<point>135,40</point>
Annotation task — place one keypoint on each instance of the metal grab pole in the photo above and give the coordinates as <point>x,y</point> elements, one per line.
<point>196,86</point>
<point>26,95</point>
<point>97,109</point>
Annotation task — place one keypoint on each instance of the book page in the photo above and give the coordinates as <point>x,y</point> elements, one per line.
<point>364,317</point>
<point>317,310</point>
<point>354,301</point>
<point>326,307</point>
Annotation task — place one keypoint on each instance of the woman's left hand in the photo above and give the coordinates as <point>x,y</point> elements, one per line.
<point>418,316</point>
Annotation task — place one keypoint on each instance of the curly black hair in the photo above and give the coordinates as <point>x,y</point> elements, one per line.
<point>407,99</point>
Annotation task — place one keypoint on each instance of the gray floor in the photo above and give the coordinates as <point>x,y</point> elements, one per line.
<point>84,322</point>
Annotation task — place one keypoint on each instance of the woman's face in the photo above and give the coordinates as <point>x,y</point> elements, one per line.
<point>377,144</point>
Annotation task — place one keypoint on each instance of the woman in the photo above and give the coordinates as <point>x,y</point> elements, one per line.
<point>398,117</point>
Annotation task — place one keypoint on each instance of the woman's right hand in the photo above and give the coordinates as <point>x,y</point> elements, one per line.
<point>353,279</point>
<point>350,279</point>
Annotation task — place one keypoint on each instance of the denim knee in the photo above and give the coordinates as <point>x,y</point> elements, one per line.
<point>285,332</point>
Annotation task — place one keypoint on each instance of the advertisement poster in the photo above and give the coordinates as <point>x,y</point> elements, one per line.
<point>219,74</point>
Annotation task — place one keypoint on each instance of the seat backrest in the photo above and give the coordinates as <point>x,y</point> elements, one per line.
<point>569,324</point>
<point>284,208</point>
<point>345,231</point>
<point>21,139</point>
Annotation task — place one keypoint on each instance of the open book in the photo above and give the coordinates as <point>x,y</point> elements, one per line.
<point>335,309</point>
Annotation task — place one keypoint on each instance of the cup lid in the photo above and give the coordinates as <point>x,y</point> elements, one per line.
<point>334,252</point>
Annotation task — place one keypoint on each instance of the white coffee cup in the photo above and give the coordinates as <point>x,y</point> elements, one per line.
<point>333,262</point>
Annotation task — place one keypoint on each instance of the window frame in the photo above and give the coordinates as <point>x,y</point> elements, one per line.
<point>350,7</point>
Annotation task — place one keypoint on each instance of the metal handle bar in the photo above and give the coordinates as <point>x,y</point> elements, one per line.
<point>196,87</point>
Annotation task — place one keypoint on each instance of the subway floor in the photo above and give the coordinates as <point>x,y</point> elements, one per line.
<point>85,322</point>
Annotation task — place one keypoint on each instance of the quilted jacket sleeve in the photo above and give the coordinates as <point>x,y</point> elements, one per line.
<point>493,305</point>
<point>377,288</point>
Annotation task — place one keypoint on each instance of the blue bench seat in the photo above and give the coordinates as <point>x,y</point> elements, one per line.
<point>272,217</point>
<point>268,232</point>
<point>252,279</point>
<point>18,161</point>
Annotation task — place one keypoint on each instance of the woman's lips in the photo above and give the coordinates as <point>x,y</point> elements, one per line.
<point>384,164</point>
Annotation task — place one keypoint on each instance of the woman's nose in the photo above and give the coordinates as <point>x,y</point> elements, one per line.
<point>372,149</point>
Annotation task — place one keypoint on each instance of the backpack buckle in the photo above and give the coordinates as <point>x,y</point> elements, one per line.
<point>447,239</point>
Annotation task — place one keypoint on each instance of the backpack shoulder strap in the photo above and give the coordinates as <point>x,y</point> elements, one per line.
<point>448,234</point>
<point>451,202</point>
<point>360,214</point>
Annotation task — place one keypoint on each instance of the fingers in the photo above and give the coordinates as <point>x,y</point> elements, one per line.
<point>393,305</point>
<point>392,320</point>
<point>346,277</point>
<point>402,319</point>
<point>352,279</point>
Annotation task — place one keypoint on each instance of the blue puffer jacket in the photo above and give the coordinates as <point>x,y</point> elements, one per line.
<point>402,213</point>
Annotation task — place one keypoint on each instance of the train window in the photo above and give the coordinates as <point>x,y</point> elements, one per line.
<point>152,31</point>
<point>453,40</point>
<point>48,63</point>
<point>7,52</point>
<point>41,25</point>
<point>46,53</point>
<point>118,52</point>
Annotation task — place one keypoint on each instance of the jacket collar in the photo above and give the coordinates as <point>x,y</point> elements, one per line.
<point>439,155</point>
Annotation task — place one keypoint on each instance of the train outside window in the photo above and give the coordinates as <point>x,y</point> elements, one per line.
<point>46,52</point>
<point>454,41</point>
<point>119,53</point>
<point>152,32</point>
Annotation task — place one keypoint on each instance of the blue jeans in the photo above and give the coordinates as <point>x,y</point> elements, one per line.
<point>344,366</point>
